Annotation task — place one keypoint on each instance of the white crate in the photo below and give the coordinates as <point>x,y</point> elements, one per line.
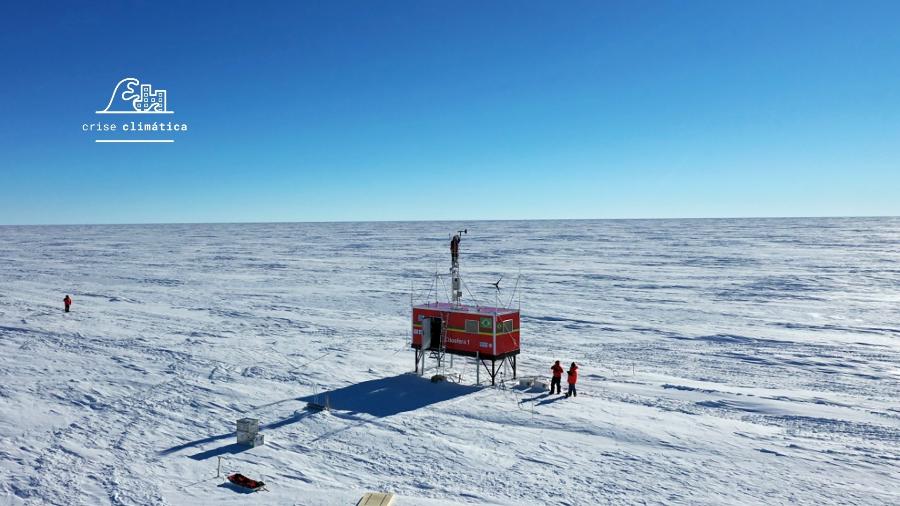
<point>248,425</point>
<point>245,437</point>
<point>259,440</point>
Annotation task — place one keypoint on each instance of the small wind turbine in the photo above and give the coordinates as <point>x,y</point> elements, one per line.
<point>497,294</point>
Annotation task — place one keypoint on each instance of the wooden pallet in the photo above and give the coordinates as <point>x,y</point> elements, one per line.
<point>376,499</point>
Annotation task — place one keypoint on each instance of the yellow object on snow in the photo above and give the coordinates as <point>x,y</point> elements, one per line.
<point>376,499</point>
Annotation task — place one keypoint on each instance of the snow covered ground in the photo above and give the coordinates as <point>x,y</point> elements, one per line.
<point>722,361</point>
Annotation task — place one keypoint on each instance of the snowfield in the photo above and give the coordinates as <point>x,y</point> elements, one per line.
<point>721,362</point>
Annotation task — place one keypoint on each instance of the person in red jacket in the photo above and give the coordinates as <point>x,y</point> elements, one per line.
<point>573,378</point>
<point>557,378</point>
<point>68,302</point>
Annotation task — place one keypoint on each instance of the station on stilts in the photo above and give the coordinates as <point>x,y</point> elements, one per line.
<point>489,334</point>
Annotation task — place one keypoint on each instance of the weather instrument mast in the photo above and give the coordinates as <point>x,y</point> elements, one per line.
<point>456,284</point>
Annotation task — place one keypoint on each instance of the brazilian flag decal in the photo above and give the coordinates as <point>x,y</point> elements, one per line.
<point>486,322</point>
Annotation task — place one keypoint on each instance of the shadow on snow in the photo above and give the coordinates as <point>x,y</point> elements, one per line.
<point>235,488</point>
<point>550,400</point>
<point>390,396</point>
<point>379,397</point>
<point>231,449</point>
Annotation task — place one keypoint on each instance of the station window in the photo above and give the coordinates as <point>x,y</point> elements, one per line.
<point>471,326</point>
<point>506,326</point>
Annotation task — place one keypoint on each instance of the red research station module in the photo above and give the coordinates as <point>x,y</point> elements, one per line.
<point>486,332</point>
<point>490,334</point>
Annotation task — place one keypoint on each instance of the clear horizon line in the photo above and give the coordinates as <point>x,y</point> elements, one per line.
<point>444,220</point>
<point>134,140</point>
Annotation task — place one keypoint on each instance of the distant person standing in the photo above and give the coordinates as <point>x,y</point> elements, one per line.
<point>573,378</point>
<point>68,302</point>
<point>557,378</point>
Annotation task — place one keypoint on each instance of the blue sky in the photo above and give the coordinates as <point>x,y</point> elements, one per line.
<point>320,111</point>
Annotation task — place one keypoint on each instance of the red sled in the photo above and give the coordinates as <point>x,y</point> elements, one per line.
<point>244,482</point>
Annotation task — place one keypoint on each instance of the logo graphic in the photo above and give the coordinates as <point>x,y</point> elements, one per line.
<point>485,323</point>
<point>131,97</point>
